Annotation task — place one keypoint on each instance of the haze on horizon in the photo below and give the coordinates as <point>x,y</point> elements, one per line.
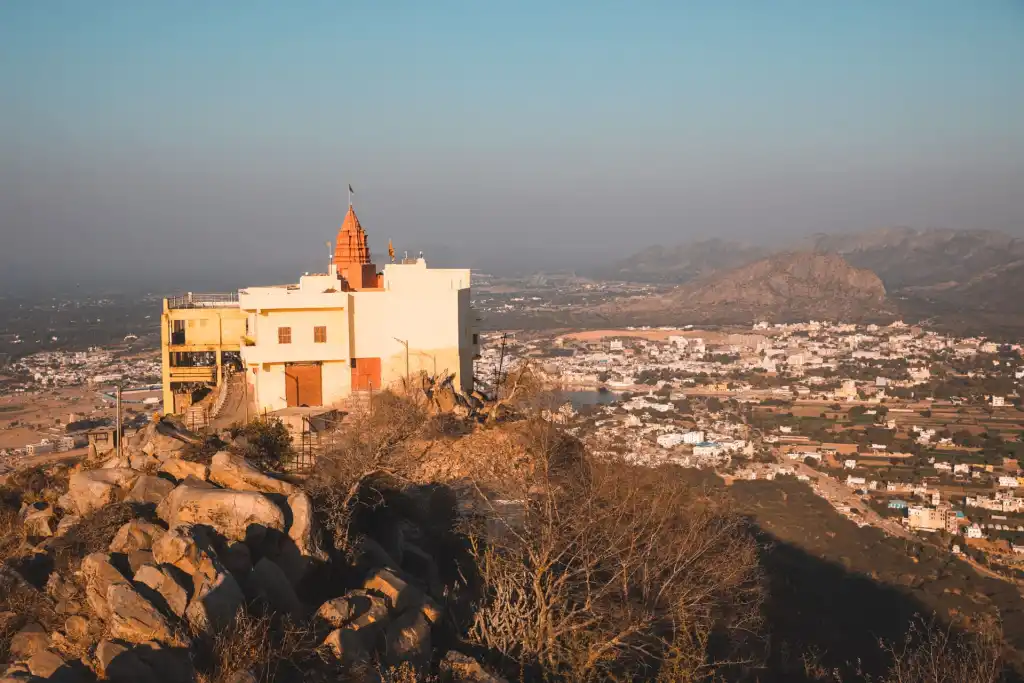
<point>173,143</point>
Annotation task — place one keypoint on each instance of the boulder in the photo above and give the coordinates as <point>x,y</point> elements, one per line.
<point>39,520</point>
<point>400,594</point>
<point>189,551</point>
<point>215,604</point>
<point>98,576</point>
<point>149,489</point>
<point>92,489</point>
<point>47,663</point>
<point>234,472</point>
<point>77,629</point>
<point>302,551</point>
<point>136,535</point>
<point>29,641</point>
<point>138,558</point>
<point>115,662</point>
<point>143,462</point>
<point>236,515</point>
<point>179,469</point>
<point>165,441</point>
<point>459,668</point>
<point>159,585</point>
<point>407,639</point>
<point>267,582</point>
<point>135,619</point>
<point>348,646</point>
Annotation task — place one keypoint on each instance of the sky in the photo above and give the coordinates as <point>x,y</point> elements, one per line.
<point>190,141</point>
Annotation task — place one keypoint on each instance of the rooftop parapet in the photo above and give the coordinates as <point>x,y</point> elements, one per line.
<point>193,300</point>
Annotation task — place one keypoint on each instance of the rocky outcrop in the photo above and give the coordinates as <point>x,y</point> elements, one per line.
<point>235,472</point>
<point>92,489</point>
<point>135,535</point>
<point>180,469</point>
<point>237,515</point>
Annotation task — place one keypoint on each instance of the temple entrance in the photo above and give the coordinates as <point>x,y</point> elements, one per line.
<point>303,384</point>
<point>365,374</point>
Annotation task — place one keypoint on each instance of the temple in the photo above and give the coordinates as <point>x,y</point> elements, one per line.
<point>318,341</point>
<point>352,256</point>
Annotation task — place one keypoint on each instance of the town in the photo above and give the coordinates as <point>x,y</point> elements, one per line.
<point>898,427</point>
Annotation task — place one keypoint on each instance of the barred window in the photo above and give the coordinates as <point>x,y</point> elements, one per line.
<point>320,334</point>
<point>284,335</point>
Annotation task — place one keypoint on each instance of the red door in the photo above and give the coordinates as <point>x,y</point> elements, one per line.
<point>365,374</point>
<point>303,384</point>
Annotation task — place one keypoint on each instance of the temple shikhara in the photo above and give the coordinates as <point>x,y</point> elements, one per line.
<point>316,342</point>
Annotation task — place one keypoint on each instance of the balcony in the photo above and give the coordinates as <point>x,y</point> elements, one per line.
<point>194,374</point>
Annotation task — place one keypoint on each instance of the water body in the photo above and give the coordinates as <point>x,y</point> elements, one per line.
<point>589,397</point>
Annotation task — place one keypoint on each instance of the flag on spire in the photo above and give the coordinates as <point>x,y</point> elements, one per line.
<point>391,251</point>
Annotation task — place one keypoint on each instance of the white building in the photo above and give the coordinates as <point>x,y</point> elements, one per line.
<point>694,437</point>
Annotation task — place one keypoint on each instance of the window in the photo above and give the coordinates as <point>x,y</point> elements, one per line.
<point>284,335</point>
<point>476,338</point>
<point>320,334</point>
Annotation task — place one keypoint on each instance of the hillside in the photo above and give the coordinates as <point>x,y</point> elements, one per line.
<point>681,263</point>
<point>790,286</point>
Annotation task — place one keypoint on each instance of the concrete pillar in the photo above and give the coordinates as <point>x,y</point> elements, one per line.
<point>165,361</point>
<point>220,365</point>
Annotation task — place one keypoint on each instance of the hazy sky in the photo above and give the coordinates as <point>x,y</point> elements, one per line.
<point>179,139</point>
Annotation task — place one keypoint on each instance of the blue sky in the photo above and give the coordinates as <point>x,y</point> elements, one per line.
<point>499,133</point>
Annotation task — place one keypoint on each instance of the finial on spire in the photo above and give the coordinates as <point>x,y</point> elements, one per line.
<point>350,193</point>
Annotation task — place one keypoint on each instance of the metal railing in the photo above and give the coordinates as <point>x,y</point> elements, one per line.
<point>193,300</point>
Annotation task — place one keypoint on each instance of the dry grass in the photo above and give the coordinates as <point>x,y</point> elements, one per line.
<point>269,648</point>
<point>92,534</point>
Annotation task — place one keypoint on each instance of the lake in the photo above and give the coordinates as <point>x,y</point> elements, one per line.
<point>589,397</point>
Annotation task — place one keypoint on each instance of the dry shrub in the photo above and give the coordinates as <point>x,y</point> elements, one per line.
<point>934,653</point>
<point>267,443</point>
<point>91,534</point>
<point>604,571</point>
<point>270,648</point>
<point>370,446</point>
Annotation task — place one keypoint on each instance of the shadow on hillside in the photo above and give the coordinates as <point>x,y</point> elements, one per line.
<point>820,610</point>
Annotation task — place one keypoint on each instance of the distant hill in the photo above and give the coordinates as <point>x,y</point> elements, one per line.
<point>789,286</point>
<point>681,263</point>
<point>904,257</point>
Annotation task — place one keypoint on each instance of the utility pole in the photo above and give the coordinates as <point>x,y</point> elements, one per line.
<point>118,423</point>
<point>501,362</point>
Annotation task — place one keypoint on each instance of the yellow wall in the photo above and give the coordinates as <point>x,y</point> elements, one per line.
<point>216,329</point>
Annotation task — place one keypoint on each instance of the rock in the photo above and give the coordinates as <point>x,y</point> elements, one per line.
<point>337,612</point>
<point>431,610</point>
<point>187,550</point>
<point>269,583</point>
<point>149,489</point>
<point>136,535</point>
<point>39,520</point>
<point>98,576</point>
<point>399,593</point>
<point>444,398</point>
<point>60,587</point>
<point>237,515</point>
<point>143,462</point>
<point>46,664</point>
<point>66,523</point>
<point>197,483</point>
<point>459,668</point>
<point>302,551</point>
<point>116,462</point>
<point>215,604</point>
<point>29,641</point>
<point>163,445</point>
<point>348,645</point>
<point>407,639</point>
<point>234,472</point>
<point>135,619</point>
<point>179,469</point>
<point>77,629</point>
<point>92,489</point>
<point>169,593</point>
<point>139,558</point>
<point>116,663</point>
<point>237,558</point>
